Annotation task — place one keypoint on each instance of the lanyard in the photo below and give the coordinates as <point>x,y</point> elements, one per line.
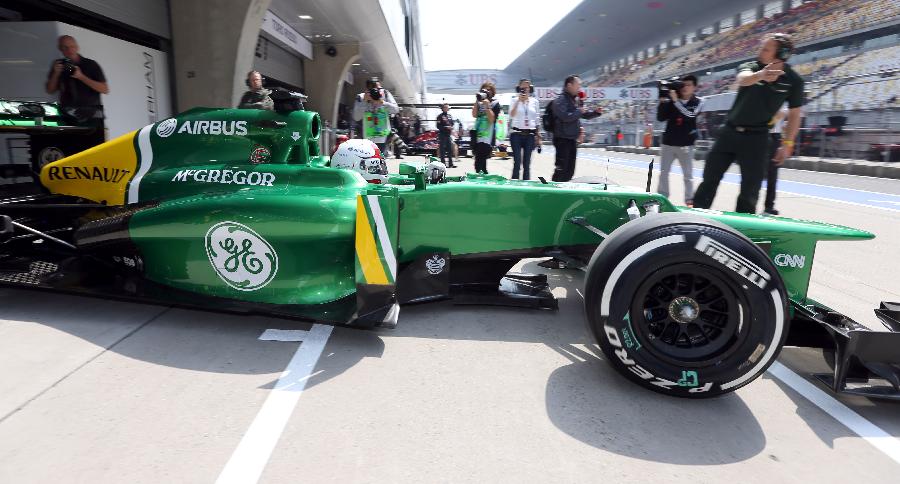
<point>527,104</point>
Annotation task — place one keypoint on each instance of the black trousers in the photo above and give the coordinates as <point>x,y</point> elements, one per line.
<point>772,179</point>
<point>749,150</point>
<point>445,147</point>
<point>522,145</point>
<point>482,152</point>
<point>565,159</point>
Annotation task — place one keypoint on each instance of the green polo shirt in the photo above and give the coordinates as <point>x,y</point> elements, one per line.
<point>756,104</point>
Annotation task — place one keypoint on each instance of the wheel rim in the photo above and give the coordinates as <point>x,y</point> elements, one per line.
<point>687,314</point>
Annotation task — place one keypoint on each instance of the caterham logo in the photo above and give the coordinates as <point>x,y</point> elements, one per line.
<point>166,128</point>
<point>240,256</point>
<point>435,264</point>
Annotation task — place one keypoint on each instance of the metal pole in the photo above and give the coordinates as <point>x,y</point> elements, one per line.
<point>821,131</point>
<point>637,125</point>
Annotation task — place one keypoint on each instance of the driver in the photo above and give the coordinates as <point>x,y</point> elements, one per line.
<point>362,156</point>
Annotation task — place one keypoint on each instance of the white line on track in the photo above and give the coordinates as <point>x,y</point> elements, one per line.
<point>251,455</point>
<point>870,432</point>
<point>826,173</point>
<point>783,192</point>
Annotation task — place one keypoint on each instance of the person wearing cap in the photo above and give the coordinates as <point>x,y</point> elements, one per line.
<point>374,108</point>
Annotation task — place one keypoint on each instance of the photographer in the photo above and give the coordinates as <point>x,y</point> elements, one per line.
<point>764,85</point>
<point>445,135</point>
<point>678,107</point>
<point>485,111</point>
<point>568,111</point>
<point>80,82</point>
<point>256,97</point>
<point>375,107</point>
<point>524,120</point>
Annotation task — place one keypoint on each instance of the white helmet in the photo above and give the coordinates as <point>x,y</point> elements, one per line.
<point>363,157</point>
<point>435,171</point>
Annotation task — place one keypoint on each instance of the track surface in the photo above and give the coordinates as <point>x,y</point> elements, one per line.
<point>99,391</point>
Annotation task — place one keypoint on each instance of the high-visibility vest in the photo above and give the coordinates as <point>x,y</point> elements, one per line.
<point>377,124</point>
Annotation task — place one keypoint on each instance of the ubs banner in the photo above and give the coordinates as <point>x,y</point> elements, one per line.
<point>595,94</point>
<point>468,81</point>
<point>138,77</point>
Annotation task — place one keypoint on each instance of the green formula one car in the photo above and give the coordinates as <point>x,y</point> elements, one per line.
<point>230,209</point>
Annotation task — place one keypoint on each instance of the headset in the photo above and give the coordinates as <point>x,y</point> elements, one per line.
<point>785,46</point>
<point>247,79</point>
<point>530,85</point>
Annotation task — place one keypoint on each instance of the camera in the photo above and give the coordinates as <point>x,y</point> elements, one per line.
<point>482,95</point>
<point>68,66</point>
<point>375,93</point>
<point>286,101</point>
<point>671,84</point>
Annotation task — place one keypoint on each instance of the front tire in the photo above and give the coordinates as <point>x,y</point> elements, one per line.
<point>685,306</point>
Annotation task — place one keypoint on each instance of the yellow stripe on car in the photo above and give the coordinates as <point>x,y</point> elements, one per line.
<point>366,248</point>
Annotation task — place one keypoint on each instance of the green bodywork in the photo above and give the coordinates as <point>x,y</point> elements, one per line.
<point>308,213</point>
<point>9,114</point>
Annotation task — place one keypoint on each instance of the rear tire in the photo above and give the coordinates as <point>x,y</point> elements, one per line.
<point>685,306</point>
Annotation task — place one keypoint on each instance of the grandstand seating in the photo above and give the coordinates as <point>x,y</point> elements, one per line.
<point>807,22</point>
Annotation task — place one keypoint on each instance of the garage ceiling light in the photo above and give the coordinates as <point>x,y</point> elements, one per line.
<point>304,17</point>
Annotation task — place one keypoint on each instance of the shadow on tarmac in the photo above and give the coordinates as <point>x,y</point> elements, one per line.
<point>590,402</point>
<point>179,338</point>
<point>587,399</point>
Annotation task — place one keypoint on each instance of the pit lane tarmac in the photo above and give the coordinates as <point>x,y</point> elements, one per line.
<point>102,391</point>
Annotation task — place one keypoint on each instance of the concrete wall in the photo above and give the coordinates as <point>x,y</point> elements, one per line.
<point>148,15</point>
<point>273,60</point>
<point>325,79</point>
<point>213,43</point>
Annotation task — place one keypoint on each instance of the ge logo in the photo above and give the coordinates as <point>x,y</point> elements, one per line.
<point>49,155</point>
<point>166,128</point>
<point>240,256</point>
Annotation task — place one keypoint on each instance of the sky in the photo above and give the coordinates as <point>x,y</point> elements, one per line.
<point>484,34</point>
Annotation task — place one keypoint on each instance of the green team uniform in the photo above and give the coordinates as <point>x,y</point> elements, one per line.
<point>501,126</point>
<point>744,136</point>
<point>484,129</point>
<point>377,124</point>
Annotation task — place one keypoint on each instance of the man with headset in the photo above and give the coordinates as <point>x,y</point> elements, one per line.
<point>256,97</point>
<point>764,85</point>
